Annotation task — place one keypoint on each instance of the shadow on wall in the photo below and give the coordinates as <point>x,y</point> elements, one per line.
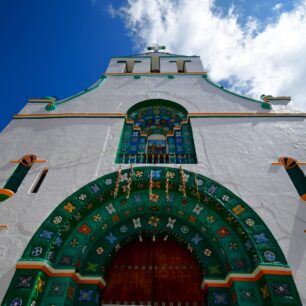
<point>4,283</point>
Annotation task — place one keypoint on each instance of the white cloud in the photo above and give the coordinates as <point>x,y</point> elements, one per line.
<point>254,59</point>
<point>277,7</point>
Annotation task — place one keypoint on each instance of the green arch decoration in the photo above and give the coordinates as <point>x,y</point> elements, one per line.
<point>66,260</point>
<point>160,118</point>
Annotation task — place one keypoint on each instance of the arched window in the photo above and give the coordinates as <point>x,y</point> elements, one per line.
<point>157,132</point>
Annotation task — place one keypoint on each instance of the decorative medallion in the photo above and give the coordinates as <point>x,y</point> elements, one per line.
<point>154,221</point>
<point>269,256</point>
<point>99,250</point>
<point>123,228</point>
<point>57,219</point>
<point>184,229</point>
<point>207,252</point>
<point>36,251</point>
<point>250,222</point>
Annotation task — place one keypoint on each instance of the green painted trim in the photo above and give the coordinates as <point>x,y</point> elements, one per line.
<point>145,56</point>
<point>157,102</point>
<point>51,106</point>
<point>228,91</point>
<point>99,83</point>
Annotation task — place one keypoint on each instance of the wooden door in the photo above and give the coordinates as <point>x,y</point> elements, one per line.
<point>156,273</point>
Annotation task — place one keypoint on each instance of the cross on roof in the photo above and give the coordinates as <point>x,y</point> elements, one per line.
<point>156,47</point>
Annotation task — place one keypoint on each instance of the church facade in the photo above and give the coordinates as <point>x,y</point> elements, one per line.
<point>154,186</point>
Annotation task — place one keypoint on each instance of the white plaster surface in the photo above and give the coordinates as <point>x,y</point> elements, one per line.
<point>236,152</point>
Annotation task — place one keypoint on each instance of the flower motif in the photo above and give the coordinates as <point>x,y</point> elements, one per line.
<point>153,221</point>
<point>104,226</point>
<point>171,222</point>
<point>46,234</point>
<point>238,209</point>
<point>154,197</point>
<point>250,222</point>
<point>50,256</point>
<point>97,218</point>
<point>16,302</point>
<point>139,173</point>
<point>212,189</point>
<point>184,202</point>
<point>207,252</point>
<point>108,181</point>
<point>281,289</point>
<point>233,246</point>
<point>200,182</point>
<point>40,285</point>
<point>220,298</point>
<point>74,243</point>
<point>124,177</point>
<point>69,207</point>
<point>171,174</point>
<point>261,238</point>
<point>184,229</point>
<point>36,251</point>
<point>82,197</point>
<point>264,291</point>
<point>223,231</point>
<point>84,229</point>
<point>99,250</point>
<point>225,198</point>
<point>127,212</point>
<point>269,256</point>
<point>211,219</point>
<point>181,213</point>
<point>248,244</point>
<point>123,228</point>
<point>57,219</point>
<point>58,241</point>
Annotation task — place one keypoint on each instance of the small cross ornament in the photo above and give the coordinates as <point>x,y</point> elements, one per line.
<point>156,48</point>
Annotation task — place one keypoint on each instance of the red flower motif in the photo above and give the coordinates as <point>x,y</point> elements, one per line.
<point>184,202</point>
<point>70,292</point>
<point>223,231</point>
<point>192,219</point>
<point>84,229</point>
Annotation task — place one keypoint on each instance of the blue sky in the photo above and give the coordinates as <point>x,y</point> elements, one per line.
<point>61,47</point>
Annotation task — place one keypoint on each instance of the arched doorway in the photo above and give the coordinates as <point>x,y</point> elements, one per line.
<point>154,271</point>
<point>65,262</point>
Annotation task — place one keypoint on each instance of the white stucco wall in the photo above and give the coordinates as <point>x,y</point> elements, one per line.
<point>236,152</point>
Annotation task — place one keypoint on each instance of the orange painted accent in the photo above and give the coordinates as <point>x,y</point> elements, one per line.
<point>3,226</point>
<point>7,192</point>
<point>246,279</point>
<point>197,114</point>
<point>70,115</point>
<point>73,275</point>
<point>244,114</point>
<point>37,161</point>
<point>303,197</point>
<point>280,164</point>
<point>287,162</point>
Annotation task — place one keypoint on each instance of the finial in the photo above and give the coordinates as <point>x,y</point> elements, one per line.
<point>156,48</point>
